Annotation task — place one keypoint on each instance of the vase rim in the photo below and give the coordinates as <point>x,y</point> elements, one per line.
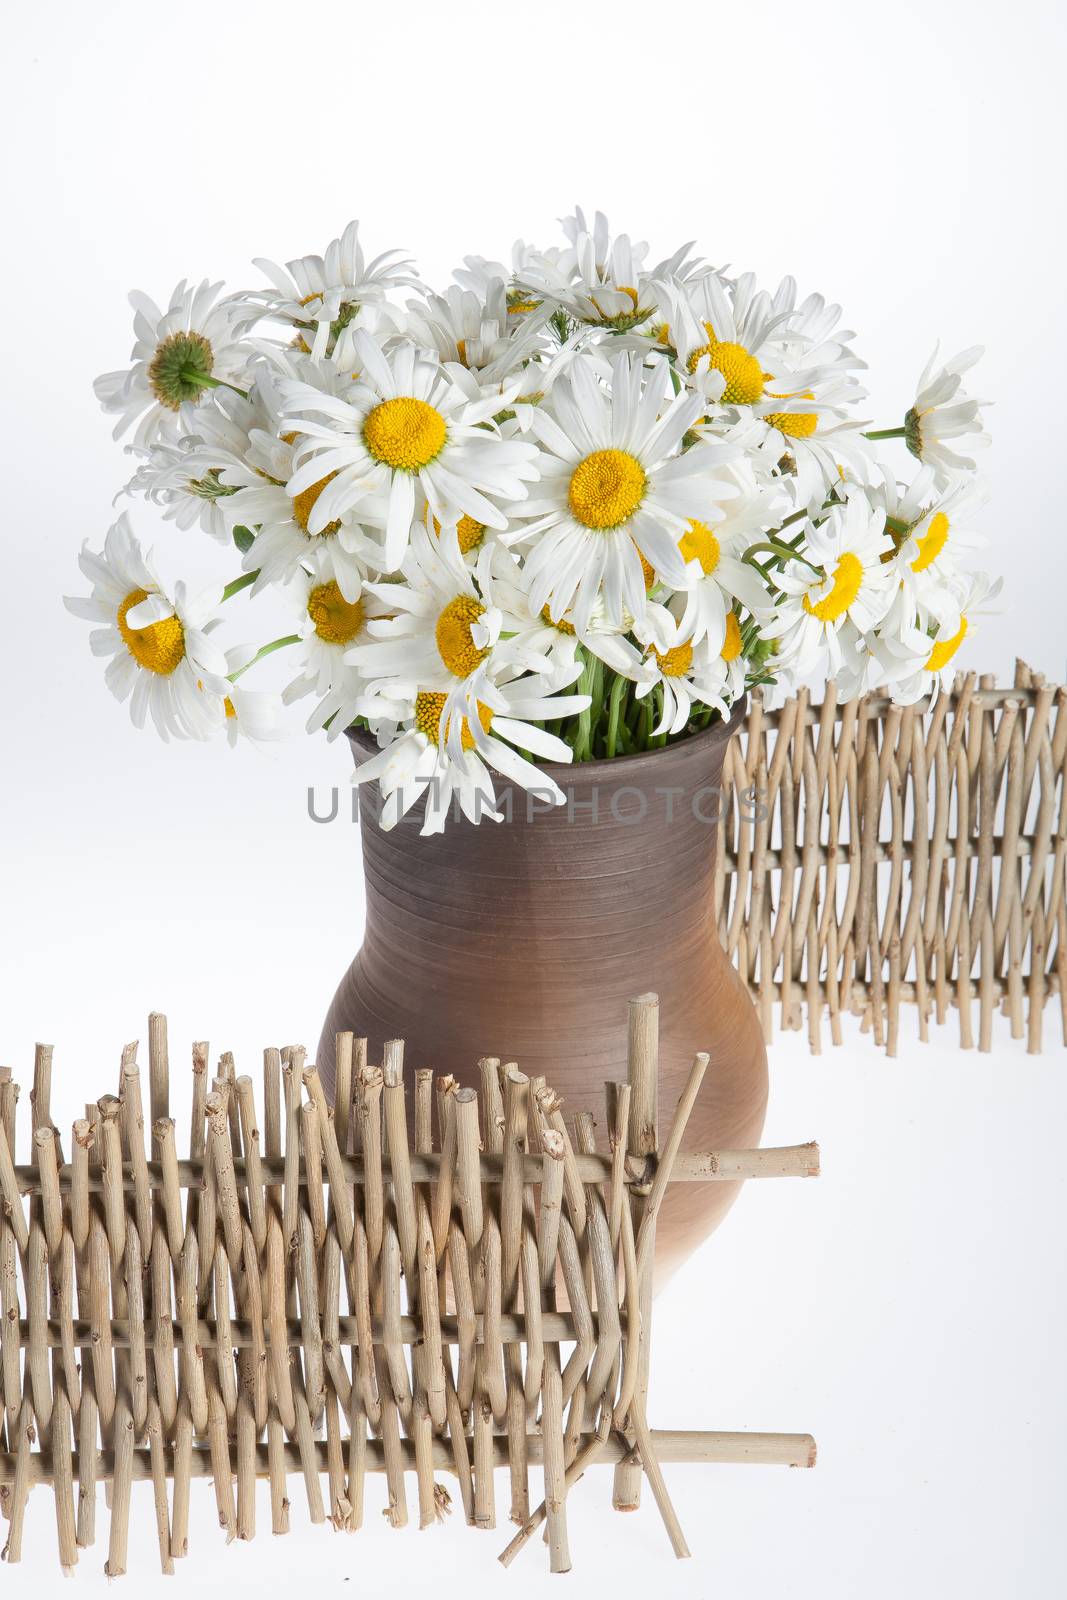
<point>565,771</point>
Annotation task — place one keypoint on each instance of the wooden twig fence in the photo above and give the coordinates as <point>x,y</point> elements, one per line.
<point>333,1298</point>
<point>875,858</point>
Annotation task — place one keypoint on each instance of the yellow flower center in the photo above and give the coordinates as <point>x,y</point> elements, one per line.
<point>932,542</point>
<point>158,648</point>
<point>405,434</point>
<point>674,663</point>
<point>945,649</point>
<point>518,306</point>
<point>732,645</point>
<point>336,619</point>
<point>846,579</point>
<point>700,544</point>
<point>304,504</point>
<point>428,712</point>
<point>455,644</point>
<point>794,424</point>
<point>469,533</point>
<point>229,708</point>
<point>743,373</point>
<point>647,569</point>
<point>561,627</point>
<point>606,488</point>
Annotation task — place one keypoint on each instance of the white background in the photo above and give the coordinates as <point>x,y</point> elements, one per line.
<point>908,1308</point>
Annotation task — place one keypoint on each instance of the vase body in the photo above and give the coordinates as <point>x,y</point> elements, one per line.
<point>525,940</point>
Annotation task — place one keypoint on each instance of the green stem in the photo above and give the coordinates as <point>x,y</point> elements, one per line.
<point>584,732</point>
<point>268,649</point>
<point>240,583</point>
<point>618,689</point>
<point>204,379</point>
<point>886,433</point>
<point>784,552</point>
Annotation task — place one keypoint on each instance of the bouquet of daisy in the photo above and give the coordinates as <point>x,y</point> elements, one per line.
<point>570,508</point>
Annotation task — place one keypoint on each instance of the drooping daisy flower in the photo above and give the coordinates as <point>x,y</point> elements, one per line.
<point>178,356</point>
<point>540,636</point>
<point>162,658</point>
<point>943,411</point>
<point>445,752</point>
<point>477,273</point>
<point>240,713</point>
<point>971,592</point>
<point>810,332</point>
<point>329,624</point>
<point>931,527</point>
<point>686,672</point>
<point>335,286</point>
<point>912,648</point>
<point>614,488</point>
<point>716,572</point>
<point>822,611</point>
<point>816,451</point>
<point>186,477</point>
<point>405,427</point>
<point>475,330</point>
<point>245,461</point>
<point>602,281</point>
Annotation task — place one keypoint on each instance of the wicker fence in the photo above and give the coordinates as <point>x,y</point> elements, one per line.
<point>875,858</point>
<point>335,1299</point>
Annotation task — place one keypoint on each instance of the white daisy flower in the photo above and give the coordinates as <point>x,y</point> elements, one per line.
<point>848,590</point>
<point>603,281</point>
<point>727,339</point>
<point>186,478</point>
<point>716,573</point>
<point>251,465</point>
<point>445,752</point>
<point>816,452</point>
<point>539,637</point>
<point>971,593</point>
<point>687,673</point>
<point>477,273</point>
<point>406,426</point>
<point>334,287</point>
<point>527,372</point>
<point>442,629</point>
<point>614,488</point>
<point>810,333</point>
<point>942,411</point>
<point>912,648</point>
<point>930,525</point>
<point>161,656</point>
<point>329,624</point>
<point>178,356</point>
<point>240,713</point>
<point>475,330</point>
<point>809,434</point>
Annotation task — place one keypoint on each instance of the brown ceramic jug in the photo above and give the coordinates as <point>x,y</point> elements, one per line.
<point>525,939</point>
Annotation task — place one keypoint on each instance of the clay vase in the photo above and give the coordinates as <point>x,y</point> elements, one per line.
<point>525,939</point>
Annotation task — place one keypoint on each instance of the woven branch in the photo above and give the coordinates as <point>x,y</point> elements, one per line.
<point>874,857</point>
<point>332,1298</point>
